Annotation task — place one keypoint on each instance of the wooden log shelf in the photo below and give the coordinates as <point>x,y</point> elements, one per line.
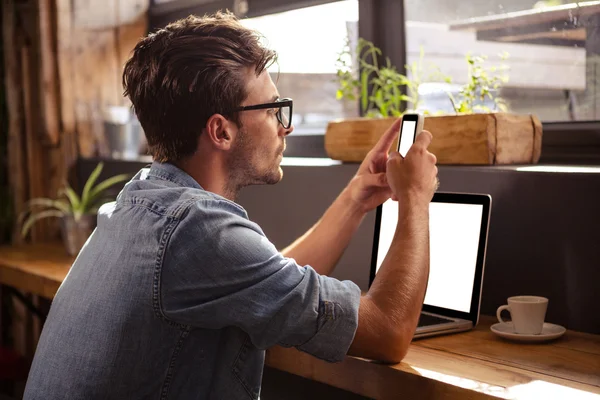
<point>475,139</point>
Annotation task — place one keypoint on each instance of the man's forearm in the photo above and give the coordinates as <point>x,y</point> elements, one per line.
<point>322,245</point>
<point>399,288</point>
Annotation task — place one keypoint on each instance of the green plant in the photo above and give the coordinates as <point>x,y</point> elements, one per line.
<point>481,83</point>
<point>68,202</point>
<point>384,97</point>
<point>379,87</point>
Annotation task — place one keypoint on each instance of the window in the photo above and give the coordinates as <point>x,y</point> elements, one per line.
<point>308,41</point>
<point>553,59</point>
<point>553,66</point>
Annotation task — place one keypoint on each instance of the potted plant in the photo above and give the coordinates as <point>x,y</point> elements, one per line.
<point>474,134</point>
<point>77,214</point>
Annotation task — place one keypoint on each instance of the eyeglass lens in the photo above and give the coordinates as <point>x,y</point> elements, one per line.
<point>284,116</point>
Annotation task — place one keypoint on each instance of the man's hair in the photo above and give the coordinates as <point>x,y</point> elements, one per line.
<point>182,74</point>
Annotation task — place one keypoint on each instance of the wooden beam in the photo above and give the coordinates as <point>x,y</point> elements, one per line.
<point>66,71</point>
<point>571,36</point>
<point>37,147</point>
<point>65,155</point>
<point>565,31</point>
<point>34,155</point>
<point>48,72</point>
<point>565,13</point>
<point>17,173</point>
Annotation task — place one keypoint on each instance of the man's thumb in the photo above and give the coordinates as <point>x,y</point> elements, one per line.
<point>393,156</point>
<point>378,180</point>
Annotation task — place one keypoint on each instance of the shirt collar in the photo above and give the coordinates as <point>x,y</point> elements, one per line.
<point>170,172</point>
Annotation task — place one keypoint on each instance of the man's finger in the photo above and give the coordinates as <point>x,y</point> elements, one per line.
<point>394,155</point>
<point>424,138</point>
<point>384,143</point>
<point>379,180</point>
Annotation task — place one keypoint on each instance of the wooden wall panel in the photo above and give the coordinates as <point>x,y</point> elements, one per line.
<point>48,70</point>
<point>35,156</point>
<point>17,177</point>
<point>62,69</point>
<point>98,46</point>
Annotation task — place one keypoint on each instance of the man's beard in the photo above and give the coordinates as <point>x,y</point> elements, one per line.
<point>242,170</point>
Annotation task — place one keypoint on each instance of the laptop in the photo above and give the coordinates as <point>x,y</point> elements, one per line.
<point>458,231</point>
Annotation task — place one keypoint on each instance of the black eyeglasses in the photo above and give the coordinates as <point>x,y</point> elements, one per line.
<point>284,112</point>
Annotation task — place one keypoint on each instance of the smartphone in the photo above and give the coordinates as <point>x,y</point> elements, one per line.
<point>412,125</point>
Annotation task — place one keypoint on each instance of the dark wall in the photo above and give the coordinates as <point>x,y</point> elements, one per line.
<point>544,239</point>
<point>544,230</point>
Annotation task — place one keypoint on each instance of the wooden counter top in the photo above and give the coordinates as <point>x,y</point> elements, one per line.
<point>38,268</point>
<point>470,365</point>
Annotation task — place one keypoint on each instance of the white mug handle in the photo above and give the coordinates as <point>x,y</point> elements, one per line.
<point>499,311</point>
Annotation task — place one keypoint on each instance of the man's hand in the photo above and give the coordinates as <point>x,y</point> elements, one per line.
<point>389,312</point>
<point>369,187</point>
<point>413,177</point>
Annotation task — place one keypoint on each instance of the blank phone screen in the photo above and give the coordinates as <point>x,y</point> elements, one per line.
<point>407,136</point>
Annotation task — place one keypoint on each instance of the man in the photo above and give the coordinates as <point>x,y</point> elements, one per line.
<point>177,294</point>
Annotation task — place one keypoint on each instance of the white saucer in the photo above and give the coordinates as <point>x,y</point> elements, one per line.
<point>507,331</point>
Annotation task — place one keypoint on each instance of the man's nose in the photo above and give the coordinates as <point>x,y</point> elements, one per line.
<point>288,130</point>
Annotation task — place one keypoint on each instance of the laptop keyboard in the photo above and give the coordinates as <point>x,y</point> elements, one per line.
<point>428,320</point>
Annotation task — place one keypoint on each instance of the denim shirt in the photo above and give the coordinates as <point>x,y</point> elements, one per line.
<point>176,295</point>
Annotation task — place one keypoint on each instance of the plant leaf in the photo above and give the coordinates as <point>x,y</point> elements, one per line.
<point>99,189</point>
<point>453,101</point>
<point>42,202</point>
<point>73,199</point>
<point>89,184</point>
<point>21,217</point>
<point>33,218</point>
<point>364,87</point>
<point>49,203</point>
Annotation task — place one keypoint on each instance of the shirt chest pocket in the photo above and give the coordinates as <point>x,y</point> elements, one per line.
<point>248,367</point>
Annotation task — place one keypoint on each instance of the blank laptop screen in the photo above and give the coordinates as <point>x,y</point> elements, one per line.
<point>454,231</point>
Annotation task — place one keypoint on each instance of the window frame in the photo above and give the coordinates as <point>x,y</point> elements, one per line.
<point>383,23</point>
<point>160,14</point>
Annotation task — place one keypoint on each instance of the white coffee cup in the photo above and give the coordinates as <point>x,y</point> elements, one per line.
<point>527,312</point>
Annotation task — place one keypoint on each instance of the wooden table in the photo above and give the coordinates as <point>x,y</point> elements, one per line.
<point>471,365</point>
<point>38,269</point>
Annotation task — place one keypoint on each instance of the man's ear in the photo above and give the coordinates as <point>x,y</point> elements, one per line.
<point>220,131</point>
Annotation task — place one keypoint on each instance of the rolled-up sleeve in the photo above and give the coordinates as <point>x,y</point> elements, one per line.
<point>219,270</point>
<point>337,320</point>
